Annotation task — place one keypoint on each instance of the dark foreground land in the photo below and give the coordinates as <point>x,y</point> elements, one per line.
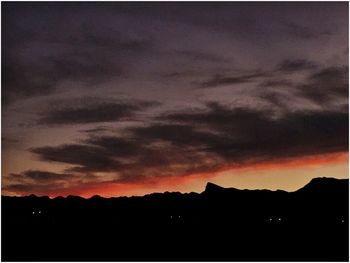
<point>219,224</point>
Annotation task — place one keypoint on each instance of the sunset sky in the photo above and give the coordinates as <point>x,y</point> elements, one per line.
<point>122,98</point>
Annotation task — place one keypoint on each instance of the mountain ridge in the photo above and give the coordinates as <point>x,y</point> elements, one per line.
<point>259,224</point>
<point>209,188</point>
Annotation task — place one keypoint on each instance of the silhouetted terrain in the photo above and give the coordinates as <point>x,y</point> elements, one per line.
<point>219,224</point>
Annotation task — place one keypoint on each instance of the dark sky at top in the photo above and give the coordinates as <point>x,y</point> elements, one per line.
<point>127,92</point>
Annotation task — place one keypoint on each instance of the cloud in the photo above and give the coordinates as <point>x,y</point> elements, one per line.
<point>177,134</point>
<point>216,116</point>
<point>36,181</point>
<point>295,65</point>
<point>119,146</point>
<point>276,83</point>
<point>219,80</point>
<point>25,79</point>
<point>249,134</point>
<point>327,84</point>
<point>203,141</point>
<point>127,158</point>
<point>41,176</point>
<point>85,157</point>
<point>316,87</point>
<point>284,110</point>
<point>99,129</point>
<point>194,55</point>
<point>303,32</point>
<point>20,81</point>
<point>26,188</point>
<point>36,61</point>
<point>95,112</point>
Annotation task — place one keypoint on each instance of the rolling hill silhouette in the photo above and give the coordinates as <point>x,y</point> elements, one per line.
<point>219,224</point>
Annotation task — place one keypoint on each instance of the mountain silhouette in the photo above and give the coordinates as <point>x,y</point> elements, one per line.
<point>210,187</point>
<point>219,224</point>
<point>325,184</point>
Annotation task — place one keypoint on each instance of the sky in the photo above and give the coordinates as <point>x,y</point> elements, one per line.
<point>130,98</point>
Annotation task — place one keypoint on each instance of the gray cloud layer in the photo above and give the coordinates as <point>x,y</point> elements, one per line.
<point>93,113</point>
<point>204,140</point>
<point>222,84</point>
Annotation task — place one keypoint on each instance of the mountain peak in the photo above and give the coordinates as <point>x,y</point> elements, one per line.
<point>324,184</point>
<point>323,179</point>
<point>210,187</point>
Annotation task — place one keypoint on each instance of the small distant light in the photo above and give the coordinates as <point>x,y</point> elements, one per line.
<point>270,219</point>
<point>279,219</point>
<point>33,212</point>
<point>342,221</point>
<point>171,217</point>
<point>39,212</point>
<point>179,216</point>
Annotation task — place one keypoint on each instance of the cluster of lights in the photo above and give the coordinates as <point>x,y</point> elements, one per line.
<point>279,219</point>
<point>39,212</point>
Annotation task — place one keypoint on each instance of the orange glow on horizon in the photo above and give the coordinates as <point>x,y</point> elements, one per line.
<point>159,184</point>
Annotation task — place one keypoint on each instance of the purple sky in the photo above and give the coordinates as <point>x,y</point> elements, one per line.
<point>126,92</point>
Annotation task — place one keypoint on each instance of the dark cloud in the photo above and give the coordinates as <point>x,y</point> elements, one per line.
<point>95,130</point>
<point>181,74</point>
<point>86,157</point>
<point>295,65</point>
<point>250,133</point>
<point>119,147</point>
<point>23,81</point>
<point>25,188</point>
<point>276,83</point>
<point>129,158</point>
<point>276,99</point>
<point>93,112</point>
<point>217,116</point>
<point>199,56</point>
<point>328,84</point>
<point>325,86</point>
<point>36,181</point>
<point>304,32</point>
<point>83,51</point>
<point>177,134</point>
<point>42,176</point>
<point>219,80</point>
<point>202,141</point>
